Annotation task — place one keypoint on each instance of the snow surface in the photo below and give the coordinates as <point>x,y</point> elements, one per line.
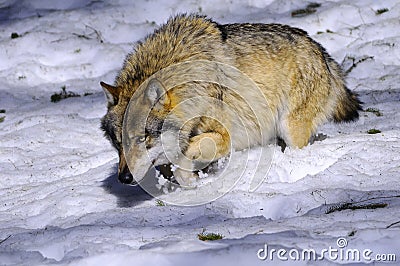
<point>61,203</point>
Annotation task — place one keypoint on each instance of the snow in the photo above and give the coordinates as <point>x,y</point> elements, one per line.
<point>61,203</point>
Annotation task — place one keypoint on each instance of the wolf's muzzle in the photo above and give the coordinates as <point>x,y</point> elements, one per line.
<point>125,177</point>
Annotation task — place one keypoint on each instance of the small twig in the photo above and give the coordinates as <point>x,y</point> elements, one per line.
<point>362,19</point>
<point>83,36</point>
<point>353,206</point>
<point>390,225</point>
<point>4,240</point>
<point>13,164</point>
<point>98,33</point>
<point>375,198</point>
<point>356,62</point>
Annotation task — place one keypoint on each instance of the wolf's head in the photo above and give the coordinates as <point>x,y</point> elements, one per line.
<point>111,124</point>
<point>142,141</point>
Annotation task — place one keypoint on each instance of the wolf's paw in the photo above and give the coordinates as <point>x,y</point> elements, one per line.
<point>202,148</point>
<point>186,179</point>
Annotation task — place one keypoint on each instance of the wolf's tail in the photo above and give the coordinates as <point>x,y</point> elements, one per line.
<point>347,107</point>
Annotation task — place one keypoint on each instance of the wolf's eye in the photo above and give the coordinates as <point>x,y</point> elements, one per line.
<point>140,139</point>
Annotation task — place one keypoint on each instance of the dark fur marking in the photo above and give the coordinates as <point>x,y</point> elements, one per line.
<point>107,125</point>
<point>154,127</point>
<point>352,106</point>
<point>224,32</point>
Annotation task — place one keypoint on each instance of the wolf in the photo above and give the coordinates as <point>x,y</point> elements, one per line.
<point>303,86</point>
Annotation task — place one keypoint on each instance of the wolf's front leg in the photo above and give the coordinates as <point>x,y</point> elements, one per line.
<point>202,150</point>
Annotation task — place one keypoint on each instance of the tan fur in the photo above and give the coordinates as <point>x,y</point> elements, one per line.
<point>304,87</point>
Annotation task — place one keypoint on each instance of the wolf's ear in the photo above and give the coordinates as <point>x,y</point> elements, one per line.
<point>111,92</point>
<point>156,93</point>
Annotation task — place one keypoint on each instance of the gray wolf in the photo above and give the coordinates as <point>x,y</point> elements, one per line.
<point>303,85</point>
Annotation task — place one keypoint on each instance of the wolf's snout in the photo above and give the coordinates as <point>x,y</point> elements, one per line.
<point>126,178</point>
<point>124,175</point>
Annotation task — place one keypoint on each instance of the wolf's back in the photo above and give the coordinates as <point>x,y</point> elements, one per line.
<point>281,45</point>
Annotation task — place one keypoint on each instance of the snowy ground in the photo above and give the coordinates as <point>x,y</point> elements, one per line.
<point>60,201</point>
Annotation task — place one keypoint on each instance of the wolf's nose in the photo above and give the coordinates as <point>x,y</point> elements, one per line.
<point>126,178</point>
